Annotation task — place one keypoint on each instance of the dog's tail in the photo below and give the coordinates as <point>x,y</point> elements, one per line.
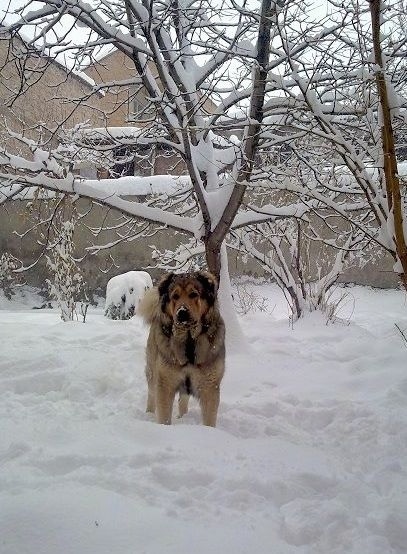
<point>149,305</point>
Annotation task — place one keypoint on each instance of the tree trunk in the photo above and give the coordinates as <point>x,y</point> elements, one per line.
<point>252,131</point>
<point>216,237</point>
<point>236,341</point>
<point>393,186</point>
<point>213,257</point>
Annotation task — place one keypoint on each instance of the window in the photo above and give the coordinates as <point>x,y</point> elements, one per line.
<point>124,162</point>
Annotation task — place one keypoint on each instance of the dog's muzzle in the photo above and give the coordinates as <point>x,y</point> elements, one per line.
<point>182,316</point>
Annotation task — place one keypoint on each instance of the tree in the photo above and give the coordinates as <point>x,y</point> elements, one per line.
<point>349,96</point>
<point>66,283</point>
<point>281,77</point>
<point>162,40</point>
<point>8,281</point>
<point>390,178</point>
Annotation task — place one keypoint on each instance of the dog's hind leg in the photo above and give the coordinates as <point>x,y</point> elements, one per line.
<point>151,391</point>
<point>150,401</point>
<point>183,404</point>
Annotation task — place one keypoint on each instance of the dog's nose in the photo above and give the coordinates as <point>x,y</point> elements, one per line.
<point>182,314</point>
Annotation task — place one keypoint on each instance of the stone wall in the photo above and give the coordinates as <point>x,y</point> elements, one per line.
<point>137,254</point>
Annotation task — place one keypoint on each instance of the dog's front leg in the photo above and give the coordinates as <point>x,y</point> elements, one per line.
<point>165,395</point>
<point>209,398</point>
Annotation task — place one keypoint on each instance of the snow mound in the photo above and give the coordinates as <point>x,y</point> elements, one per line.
<point>124,292</point>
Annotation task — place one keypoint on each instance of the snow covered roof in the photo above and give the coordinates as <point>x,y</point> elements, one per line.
<point>98,134</point>
<point>141,186</point>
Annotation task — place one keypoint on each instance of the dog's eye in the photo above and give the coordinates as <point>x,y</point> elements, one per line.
<point>193,294</point>
<point>175,296</point>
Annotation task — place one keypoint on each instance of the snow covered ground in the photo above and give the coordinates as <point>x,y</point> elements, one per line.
<point>309,455</point>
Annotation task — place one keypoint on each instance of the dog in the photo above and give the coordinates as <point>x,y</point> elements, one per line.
<point>186,345</point>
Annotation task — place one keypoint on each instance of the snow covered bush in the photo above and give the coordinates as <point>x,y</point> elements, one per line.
<point>286,251</point>
<point>124,292</point>
<point>246,300</point>
<point>66,285</point>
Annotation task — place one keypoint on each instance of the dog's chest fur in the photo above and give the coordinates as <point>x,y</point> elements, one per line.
<point>190,349</point>
<point>184,348</point>
<point>183,345</point>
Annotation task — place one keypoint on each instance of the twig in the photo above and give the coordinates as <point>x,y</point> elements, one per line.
<point>402,333</point>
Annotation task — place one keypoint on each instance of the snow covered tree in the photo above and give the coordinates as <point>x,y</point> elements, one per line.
<point>229,86</point>
<point>389,102</point>
<point>164,40</point>
<point>9,278</point>
<point>348,98</point>
<point>66,283</point>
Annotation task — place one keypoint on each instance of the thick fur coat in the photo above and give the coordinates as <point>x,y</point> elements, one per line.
<point>186,345</point>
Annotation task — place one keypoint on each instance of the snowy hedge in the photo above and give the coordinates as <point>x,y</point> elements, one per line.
<point>123,293</point>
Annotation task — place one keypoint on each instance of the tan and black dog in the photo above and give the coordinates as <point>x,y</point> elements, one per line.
<point>186,345</point>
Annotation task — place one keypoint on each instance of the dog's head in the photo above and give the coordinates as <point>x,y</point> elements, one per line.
<point>187,297</point>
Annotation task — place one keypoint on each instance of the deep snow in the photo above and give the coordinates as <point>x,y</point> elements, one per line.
<point>309,455</point>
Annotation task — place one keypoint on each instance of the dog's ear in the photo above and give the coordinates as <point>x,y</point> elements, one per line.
<point>210,285</point>
<point>163,289</point>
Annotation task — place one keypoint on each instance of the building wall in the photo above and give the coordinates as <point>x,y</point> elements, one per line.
<point>137,254</point>
<point>97,269</point>
<point>39,97</point>
<point>115,67</point>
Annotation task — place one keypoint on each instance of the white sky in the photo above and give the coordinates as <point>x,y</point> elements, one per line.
<point>77,36</point>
